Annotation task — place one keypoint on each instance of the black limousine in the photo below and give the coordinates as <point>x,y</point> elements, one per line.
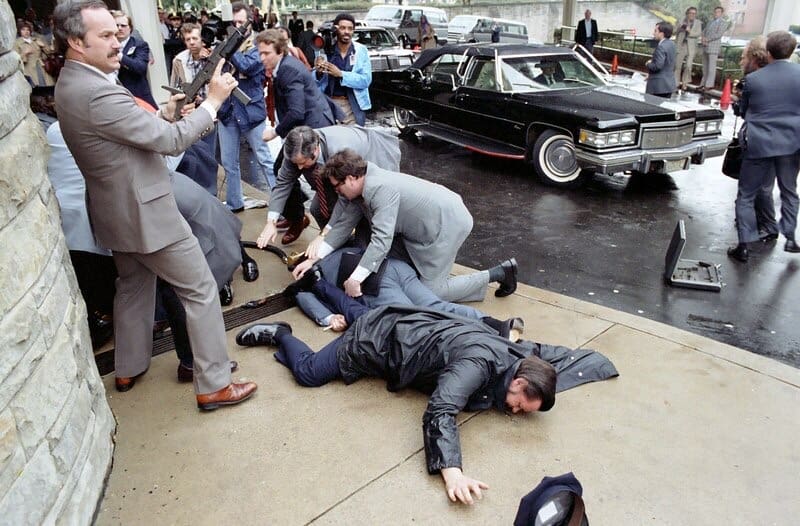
<point>547,106</point>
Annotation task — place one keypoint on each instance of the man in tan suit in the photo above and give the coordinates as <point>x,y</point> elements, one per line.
<point>119,148</point>
<point>688,35</point>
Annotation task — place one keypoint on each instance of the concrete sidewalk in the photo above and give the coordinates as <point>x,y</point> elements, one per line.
<point>692,432</point>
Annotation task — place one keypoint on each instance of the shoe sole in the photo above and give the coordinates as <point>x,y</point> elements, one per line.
<point>216,405</point>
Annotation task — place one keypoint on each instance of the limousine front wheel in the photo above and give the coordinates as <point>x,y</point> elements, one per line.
<point>554,159</point>
<point>403,119</point>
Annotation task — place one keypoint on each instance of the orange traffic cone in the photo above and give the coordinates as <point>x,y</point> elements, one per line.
<point>615,65</point>
<point>725,100</point>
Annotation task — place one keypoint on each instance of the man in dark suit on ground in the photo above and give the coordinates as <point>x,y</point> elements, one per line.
<point>134,59</point>
<point>586,34</point>
<point>661,81</point>
<point>770,104</point>
<point>298,102</point>
<point>119,148</point>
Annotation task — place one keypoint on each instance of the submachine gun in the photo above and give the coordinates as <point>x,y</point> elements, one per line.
<point>224,49</point>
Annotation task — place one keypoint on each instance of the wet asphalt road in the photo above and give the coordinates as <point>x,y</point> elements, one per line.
<point>605,243</point>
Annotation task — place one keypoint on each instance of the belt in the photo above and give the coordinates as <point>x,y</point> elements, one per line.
<point>339,97</point>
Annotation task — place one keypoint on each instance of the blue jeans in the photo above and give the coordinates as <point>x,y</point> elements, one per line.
<point>229,151</point>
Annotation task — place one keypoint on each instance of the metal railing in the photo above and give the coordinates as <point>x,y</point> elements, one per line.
<point>633,51</point>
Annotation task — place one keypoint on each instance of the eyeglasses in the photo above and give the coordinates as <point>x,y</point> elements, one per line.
<point>122,25</point>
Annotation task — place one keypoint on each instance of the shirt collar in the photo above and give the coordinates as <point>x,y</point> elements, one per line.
<point>123,44</point>
<point>112,77</point>
<point>501,388</point>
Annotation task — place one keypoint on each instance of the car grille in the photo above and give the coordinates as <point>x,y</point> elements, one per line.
<point>453,38</point>
<point>667,137</point>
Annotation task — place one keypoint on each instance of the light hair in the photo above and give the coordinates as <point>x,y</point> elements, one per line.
<point>188,27</point>
<point>756,51</point>
<point>118,14</point>
<point>274,37</point>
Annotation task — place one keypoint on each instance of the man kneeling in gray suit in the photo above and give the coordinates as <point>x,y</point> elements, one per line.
<point>411,219</point>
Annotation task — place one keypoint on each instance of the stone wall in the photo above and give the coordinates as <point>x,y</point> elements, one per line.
<point>56,428</point>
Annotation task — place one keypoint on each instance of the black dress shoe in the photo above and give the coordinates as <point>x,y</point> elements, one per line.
<point>768,237</point>
<point>305,283</point>
<point>101,329</point>
<point>791,246</point>
<point>237,210</point>
<point>509,282</point>
<point>226,295</point>
<point>739,253</point>
<point>186,374</point>
<point>250,270</point>
<point>262,334</point>
<point>511,324</point>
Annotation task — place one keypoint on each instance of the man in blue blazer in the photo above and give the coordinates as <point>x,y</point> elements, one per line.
<point>134,59</point>
<point>661,81</point>
<point>770,104</point>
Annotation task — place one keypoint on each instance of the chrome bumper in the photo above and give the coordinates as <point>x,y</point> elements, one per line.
<point>643,160</point>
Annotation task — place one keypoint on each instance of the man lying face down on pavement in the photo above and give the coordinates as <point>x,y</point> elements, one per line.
<point>463,363</point>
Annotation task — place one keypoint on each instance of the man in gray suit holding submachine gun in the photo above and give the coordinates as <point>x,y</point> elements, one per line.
<point>120,150</point>
<point>420,222</point>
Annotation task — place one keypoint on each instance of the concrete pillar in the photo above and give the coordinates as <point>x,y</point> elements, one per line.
<point>569,16</point>
<point>781,14</point>
<point>145,18</point>
<point>56,427</point>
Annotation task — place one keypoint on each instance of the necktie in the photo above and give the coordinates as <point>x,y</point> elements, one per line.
<point>549,80</point>
<point>322,198</point>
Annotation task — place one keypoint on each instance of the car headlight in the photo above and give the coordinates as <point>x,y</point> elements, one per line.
<point>707,127</point>
<point>607,139</point>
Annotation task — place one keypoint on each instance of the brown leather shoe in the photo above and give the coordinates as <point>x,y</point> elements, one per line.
<point>186,374</point>
<point>283,224</point>
<point>126,383</point>
<point>230,395</point>
<point>295,230</point>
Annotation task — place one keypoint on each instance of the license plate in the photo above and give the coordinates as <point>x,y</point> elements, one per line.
<point>675,166</point>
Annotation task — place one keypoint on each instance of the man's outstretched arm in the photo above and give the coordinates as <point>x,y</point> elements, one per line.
<point>455,385</point>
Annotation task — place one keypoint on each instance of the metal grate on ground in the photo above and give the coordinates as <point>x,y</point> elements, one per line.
<point>233,318</point>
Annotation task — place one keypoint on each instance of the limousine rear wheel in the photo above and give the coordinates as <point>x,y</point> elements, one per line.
<point>554,160</point>
<point>403,119</point>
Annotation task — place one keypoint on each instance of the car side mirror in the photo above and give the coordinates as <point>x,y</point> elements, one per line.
<point>447,78</point>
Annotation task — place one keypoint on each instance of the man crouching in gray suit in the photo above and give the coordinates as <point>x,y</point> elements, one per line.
<point>415,220</point>
<point>119,148</point>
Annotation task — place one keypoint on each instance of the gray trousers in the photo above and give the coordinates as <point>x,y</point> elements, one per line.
<point>755,175</point>
<point>183,266</point>
<point>709,69</point>
<point>686,51</point>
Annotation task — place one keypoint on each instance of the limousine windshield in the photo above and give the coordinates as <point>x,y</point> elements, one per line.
<point>538,73</point>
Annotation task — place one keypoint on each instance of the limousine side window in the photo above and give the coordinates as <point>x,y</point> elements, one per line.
<point>446,64</point>
<point>482,75</point>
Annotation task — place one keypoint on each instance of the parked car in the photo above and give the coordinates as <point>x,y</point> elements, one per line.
<point>403,21</point>
<point>472,28</point>
<point>385,50</point>
<point>546,106</point>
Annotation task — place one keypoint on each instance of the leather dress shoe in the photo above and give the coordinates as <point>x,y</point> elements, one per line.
<point>261,334</point>
<point>766,238</point>
<point>739,253</point>
<point>295,230</point>
<point>226,295</point>
<point>237,210</point>
<point>186,374</point>
<point>101,329</point>
<point>305,283</point>
<point>509,282</point>
<point>126,383</point>
<point>283,224</point>
<point>250,270</point>
<point>791,246</point>
<point>230,395</point>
